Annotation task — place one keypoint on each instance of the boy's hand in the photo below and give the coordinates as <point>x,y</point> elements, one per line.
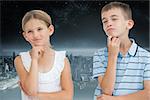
<point>105,97</point>
<point>113,44</point>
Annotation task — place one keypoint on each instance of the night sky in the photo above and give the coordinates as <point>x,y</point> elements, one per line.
<point>77,24</point>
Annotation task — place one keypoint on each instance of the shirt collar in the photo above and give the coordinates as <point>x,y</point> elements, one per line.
<point>133,49</point>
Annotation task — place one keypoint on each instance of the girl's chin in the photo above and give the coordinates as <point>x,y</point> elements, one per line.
<point>37,45</point>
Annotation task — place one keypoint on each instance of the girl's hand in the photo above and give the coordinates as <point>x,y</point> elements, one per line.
<point>37,52</point>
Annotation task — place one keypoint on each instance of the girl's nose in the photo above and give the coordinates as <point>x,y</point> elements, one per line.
<point>35,34</point>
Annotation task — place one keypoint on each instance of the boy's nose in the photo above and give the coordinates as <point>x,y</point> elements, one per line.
<point>109,23</point>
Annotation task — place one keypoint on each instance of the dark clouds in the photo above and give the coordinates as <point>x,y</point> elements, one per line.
<point>77,23</point>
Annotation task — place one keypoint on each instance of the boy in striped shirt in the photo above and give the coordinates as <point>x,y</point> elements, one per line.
<point>123,68</point>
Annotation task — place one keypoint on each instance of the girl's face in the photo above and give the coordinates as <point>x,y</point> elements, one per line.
<point>37,33</point>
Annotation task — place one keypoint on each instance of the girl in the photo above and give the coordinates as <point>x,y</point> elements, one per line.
<point>44,73</point>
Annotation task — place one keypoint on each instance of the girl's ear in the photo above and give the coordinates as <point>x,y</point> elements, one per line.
<point>24,35</point>
<point>130,24</point>
<point>51,30</point>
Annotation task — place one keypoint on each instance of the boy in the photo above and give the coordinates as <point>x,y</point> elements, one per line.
<point>123,68</point>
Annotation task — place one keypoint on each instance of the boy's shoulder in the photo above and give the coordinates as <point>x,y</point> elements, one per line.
<point>143,51</point>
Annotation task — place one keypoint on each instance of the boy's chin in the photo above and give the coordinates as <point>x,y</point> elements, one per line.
<point>109,34</point>
<point>112,34</point>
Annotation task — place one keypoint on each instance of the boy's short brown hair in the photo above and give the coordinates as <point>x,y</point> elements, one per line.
<point>124,7</point>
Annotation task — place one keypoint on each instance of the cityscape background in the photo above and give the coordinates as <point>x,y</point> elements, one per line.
<point>78,30</point>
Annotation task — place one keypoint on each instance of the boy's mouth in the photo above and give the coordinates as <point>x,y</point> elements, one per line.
<point>110,29</point>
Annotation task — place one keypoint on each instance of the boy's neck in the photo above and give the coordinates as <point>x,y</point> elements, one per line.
<point>125,45</point>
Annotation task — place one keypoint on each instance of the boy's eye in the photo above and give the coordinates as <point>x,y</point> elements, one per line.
<point>105,21</point>
<point>114,19</point>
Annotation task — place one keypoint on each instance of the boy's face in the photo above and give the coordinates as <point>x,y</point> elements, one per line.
<point>114,22</point>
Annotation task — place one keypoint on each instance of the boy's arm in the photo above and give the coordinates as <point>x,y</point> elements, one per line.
<point>107,82</point>
<point>140,95</point>
<point>67,86</point>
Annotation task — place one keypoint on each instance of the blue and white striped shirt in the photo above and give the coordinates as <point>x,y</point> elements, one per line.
<point>131,70</point>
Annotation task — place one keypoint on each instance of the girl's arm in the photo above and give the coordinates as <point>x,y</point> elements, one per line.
<point>28,80</point>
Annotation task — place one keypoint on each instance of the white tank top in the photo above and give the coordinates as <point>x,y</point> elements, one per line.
<point>48,81</point>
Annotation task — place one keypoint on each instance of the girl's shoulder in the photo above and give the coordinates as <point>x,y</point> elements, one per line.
<point>60,54</point>
<point>26,59</point>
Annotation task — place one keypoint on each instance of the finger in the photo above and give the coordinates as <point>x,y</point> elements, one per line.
<point>109,39</point>
<point>115,39</point>
<point>40,52</point>
<point>98,97</point>
<point>118,41</point>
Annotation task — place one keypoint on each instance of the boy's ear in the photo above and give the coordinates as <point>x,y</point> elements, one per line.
<point>130,24</point>
<point>51,29</point>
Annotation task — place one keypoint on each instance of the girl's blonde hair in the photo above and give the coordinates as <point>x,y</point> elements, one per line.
<point>37,14</point>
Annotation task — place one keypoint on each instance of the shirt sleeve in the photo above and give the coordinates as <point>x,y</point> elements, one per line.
<point>99,67</point>
<point>147,68</point>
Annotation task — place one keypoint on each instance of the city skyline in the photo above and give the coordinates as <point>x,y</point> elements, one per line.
<point>74,52</point>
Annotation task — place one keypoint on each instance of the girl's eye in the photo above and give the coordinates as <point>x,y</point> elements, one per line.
<point>29,31</point>
<point>39,29</point>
